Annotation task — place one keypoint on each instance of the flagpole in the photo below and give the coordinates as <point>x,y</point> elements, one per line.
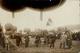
<point>13,15</point>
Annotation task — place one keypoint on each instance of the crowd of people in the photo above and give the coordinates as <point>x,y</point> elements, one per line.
<point>12,38</point>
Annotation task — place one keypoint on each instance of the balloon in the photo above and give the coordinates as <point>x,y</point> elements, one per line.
<point>43,4</point>
<point>18,5</point>
<point>13,5</point>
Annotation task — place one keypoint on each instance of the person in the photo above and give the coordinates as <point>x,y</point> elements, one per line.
<point>45,40</point>
<point>69,40</point>
<point>2,38</point>
<point>42,41</point>
<point>74,37</point>
<point>58,35</point>
<point>78,35</point>
<point>63,40</point>
<point>18,39</point>
<point>37,41</point>
<point>26,41</point>
<point>52,40</point>
<point>6,41</point>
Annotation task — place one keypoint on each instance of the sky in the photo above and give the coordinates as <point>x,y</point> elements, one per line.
<point>67,14</point>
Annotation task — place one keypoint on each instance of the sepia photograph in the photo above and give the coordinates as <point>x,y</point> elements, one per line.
<point>39,26</point>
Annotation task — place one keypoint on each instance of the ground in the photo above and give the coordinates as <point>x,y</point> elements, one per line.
<point>75,49</point>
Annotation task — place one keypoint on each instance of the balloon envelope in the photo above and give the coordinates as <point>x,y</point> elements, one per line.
<point>16,5</point>
<point>44,4</point>
<point>13,5</point>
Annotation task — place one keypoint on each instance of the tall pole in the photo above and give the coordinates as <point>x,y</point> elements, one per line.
<point>13,15</point>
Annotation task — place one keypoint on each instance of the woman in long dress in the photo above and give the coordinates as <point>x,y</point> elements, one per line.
<point>63,39</point>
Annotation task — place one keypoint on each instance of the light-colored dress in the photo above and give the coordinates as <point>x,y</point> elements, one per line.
<point>6,39</point>
<point>63,38</point>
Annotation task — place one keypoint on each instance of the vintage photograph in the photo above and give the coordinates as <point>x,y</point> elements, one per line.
<point>39,26</point>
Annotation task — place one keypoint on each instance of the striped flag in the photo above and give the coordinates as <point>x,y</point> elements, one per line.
<point>49,22</point>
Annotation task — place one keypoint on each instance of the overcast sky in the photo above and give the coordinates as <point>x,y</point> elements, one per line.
<point>67,14</point>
